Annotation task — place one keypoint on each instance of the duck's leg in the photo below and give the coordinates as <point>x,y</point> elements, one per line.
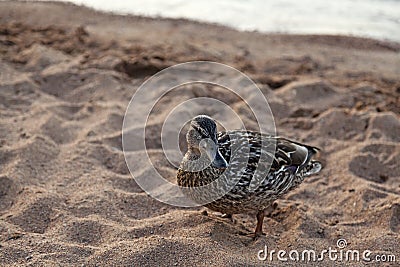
<point>260,220</point>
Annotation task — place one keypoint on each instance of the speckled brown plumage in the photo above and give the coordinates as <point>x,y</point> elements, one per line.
<point>286,164</point>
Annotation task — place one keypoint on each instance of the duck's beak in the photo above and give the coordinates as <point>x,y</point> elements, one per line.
<point>219,161</point>
<point>210,147</point>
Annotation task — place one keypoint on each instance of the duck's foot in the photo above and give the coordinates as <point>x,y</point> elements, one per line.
<point>253,236</point>
<point>228,216</point>
<point>258,232</point>
<point>257,235</point>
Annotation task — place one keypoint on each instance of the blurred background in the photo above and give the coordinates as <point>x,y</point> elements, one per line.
<point>378,19</point>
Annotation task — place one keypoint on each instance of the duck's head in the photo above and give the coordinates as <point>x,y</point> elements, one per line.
<point>202,137</point>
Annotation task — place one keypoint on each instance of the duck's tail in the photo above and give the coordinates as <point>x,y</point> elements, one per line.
<point>313,167</point>
<point>298,157</point>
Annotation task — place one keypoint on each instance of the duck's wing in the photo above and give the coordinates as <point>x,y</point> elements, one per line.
<point>280,153</point>
<point>292,154</point>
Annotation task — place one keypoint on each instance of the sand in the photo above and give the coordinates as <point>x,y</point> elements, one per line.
<point>67,74</point>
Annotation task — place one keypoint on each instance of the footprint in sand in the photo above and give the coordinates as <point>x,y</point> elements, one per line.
<point>377,163</point>
<point>342,125</point>
<point>315,95</point>
<point>86,232</point>
<point>8,192</point>
<point>395,218</point>
<point>35,217</point>
<point>111,160</point>
<point>386,126</point>
<point>60,131</point>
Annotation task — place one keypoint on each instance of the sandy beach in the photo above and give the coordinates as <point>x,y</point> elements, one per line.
<point>67,198</point>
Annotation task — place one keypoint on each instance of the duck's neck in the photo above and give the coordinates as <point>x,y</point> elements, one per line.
<point>192,154</point>
<point>194,160</point>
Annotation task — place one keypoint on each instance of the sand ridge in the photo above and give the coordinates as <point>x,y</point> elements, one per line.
<point>66,195</point>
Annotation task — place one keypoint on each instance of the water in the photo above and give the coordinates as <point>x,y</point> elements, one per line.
<point>368,18</point>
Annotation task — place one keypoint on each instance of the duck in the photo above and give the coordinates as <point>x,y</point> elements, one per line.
<point>241,171</point>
